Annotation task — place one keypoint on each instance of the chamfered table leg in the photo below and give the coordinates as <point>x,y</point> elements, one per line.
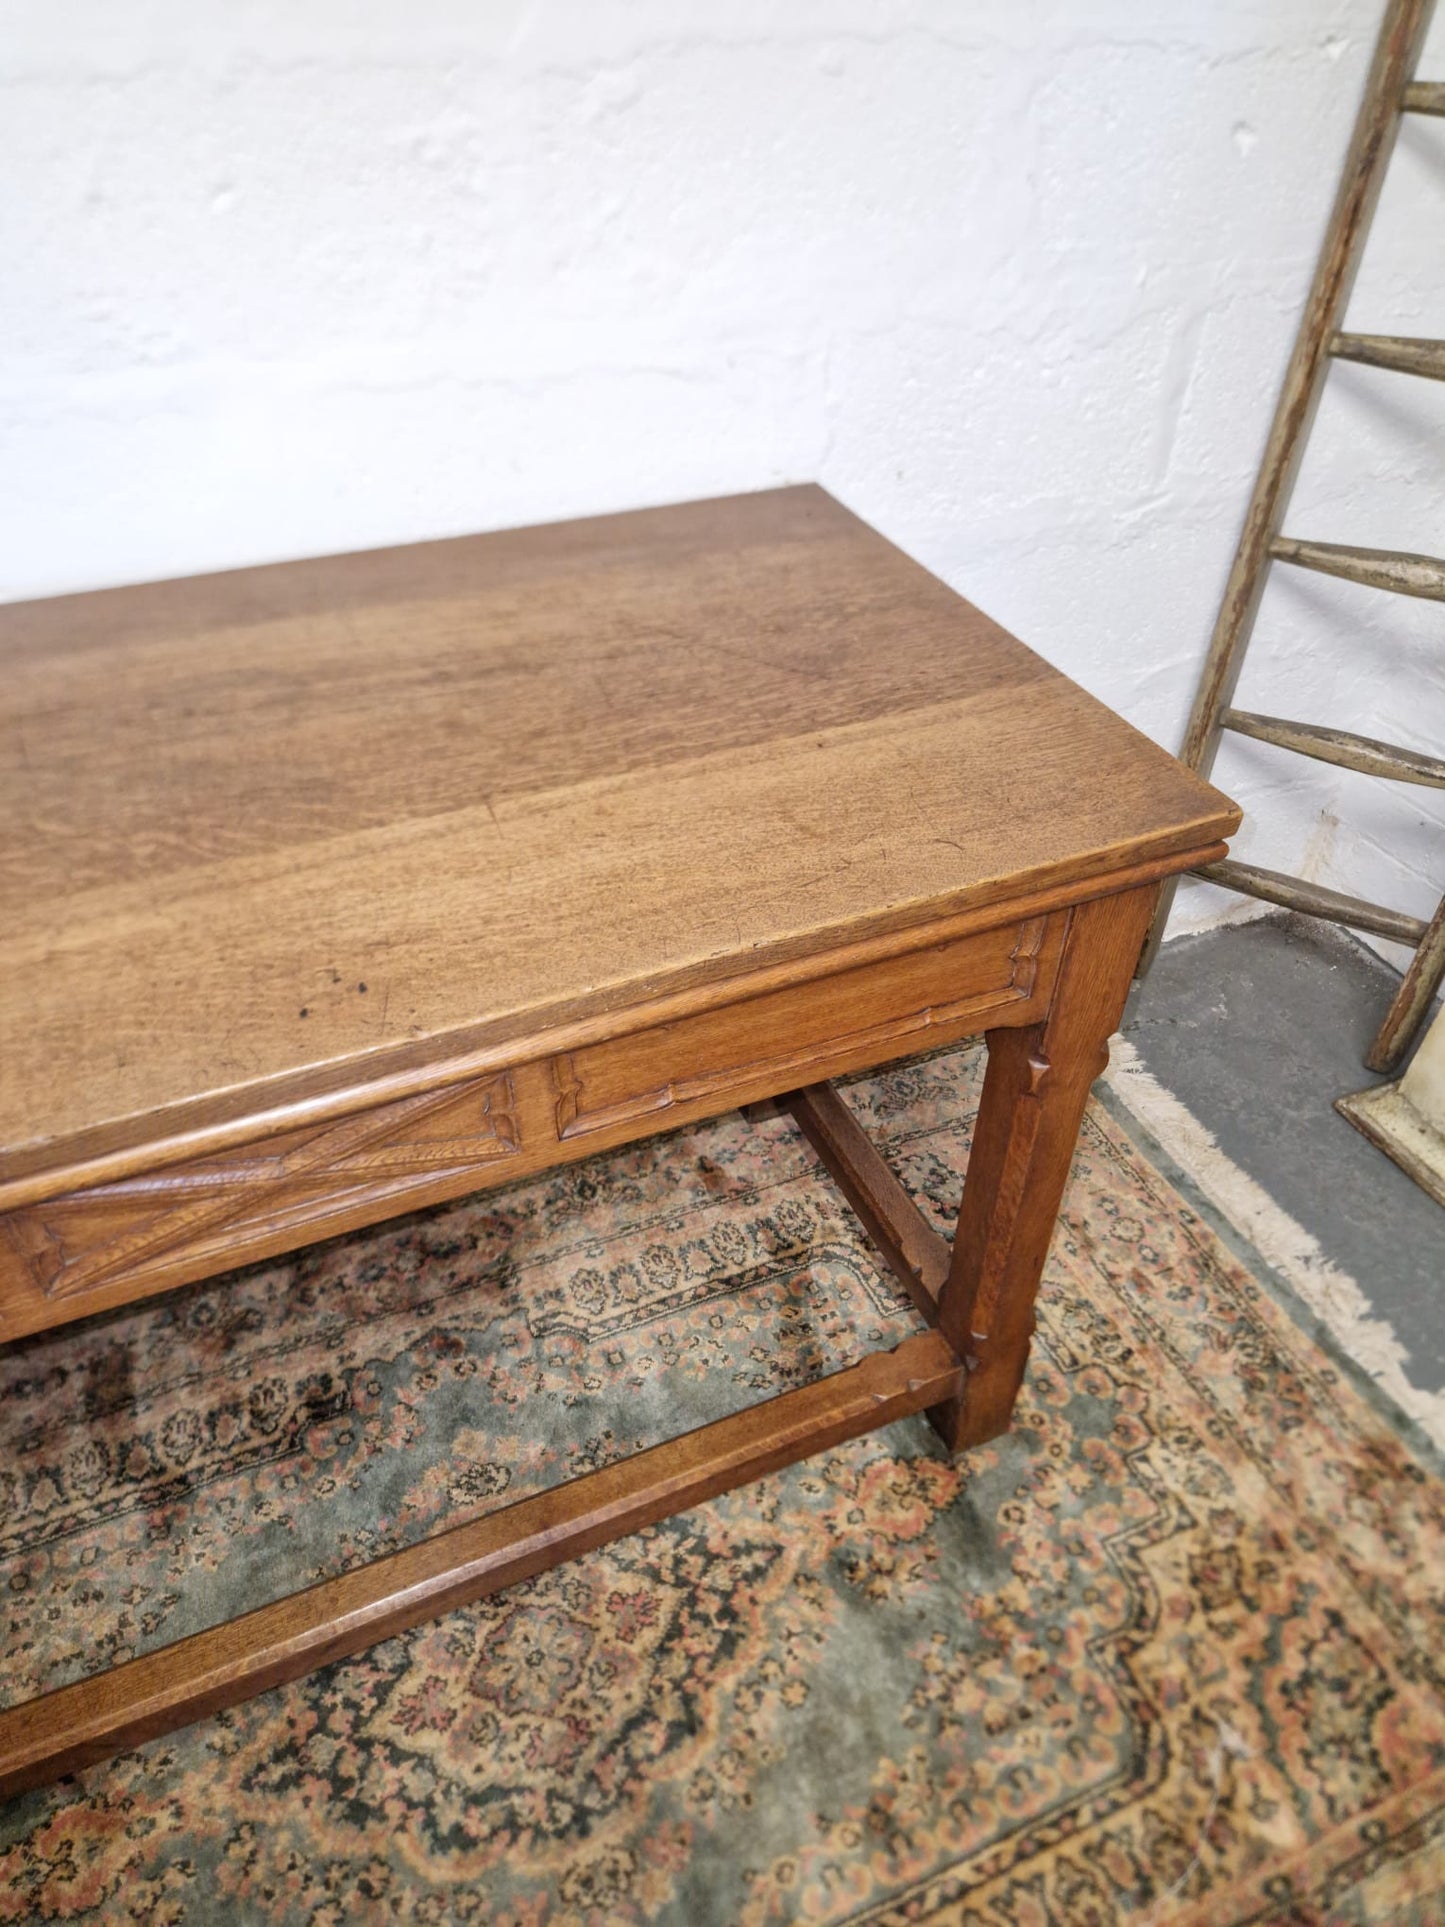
<point>1035,1089</point>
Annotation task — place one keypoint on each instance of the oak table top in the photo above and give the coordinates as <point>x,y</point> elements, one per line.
<point>282,830</point>
<point>339,888</point>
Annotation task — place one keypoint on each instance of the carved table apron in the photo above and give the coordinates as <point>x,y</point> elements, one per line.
<point>350,886</point>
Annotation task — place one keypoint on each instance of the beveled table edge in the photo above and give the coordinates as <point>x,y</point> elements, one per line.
<point>252,1113</point>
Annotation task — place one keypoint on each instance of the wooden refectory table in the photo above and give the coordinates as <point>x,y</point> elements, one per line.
<point>336,888</point>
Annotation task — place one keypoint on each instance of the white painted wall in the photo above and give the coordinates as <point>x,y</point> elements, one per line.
<point>1015,278</point>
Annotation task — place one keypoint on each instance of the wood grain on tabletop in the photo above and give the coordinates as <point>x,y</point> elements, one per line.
<point>507,779</point>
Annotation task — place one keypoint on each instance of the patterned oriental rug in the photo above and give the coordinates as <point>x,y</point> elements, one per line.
<point>1169,1652</point>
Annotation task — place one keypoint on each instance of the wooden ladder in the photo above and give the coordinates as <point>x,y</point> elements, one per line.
<point>1390,92</point>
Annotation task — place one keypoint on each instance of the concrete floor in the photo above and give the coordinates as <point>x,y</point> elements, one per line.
<point>1257,1028</point>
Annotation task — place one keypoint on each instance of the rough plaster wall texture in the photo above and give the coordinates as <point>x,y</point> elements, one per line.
<point>1015,278</point>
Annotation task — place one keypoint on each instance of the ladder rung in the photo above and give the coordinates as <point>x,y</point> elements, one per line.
<point>1364,753</point>
<point>1293,893</point>
<point>1408,354</point>
<point>1421,575</point>
<point>1425,97</point>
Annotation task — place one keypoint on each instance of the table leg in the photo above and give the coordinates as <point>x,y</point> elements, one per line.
<point>1035,1089</point>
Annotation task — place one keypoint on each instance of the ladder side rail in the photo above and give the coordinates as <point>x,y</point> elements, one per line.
<point>1402,35</point>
